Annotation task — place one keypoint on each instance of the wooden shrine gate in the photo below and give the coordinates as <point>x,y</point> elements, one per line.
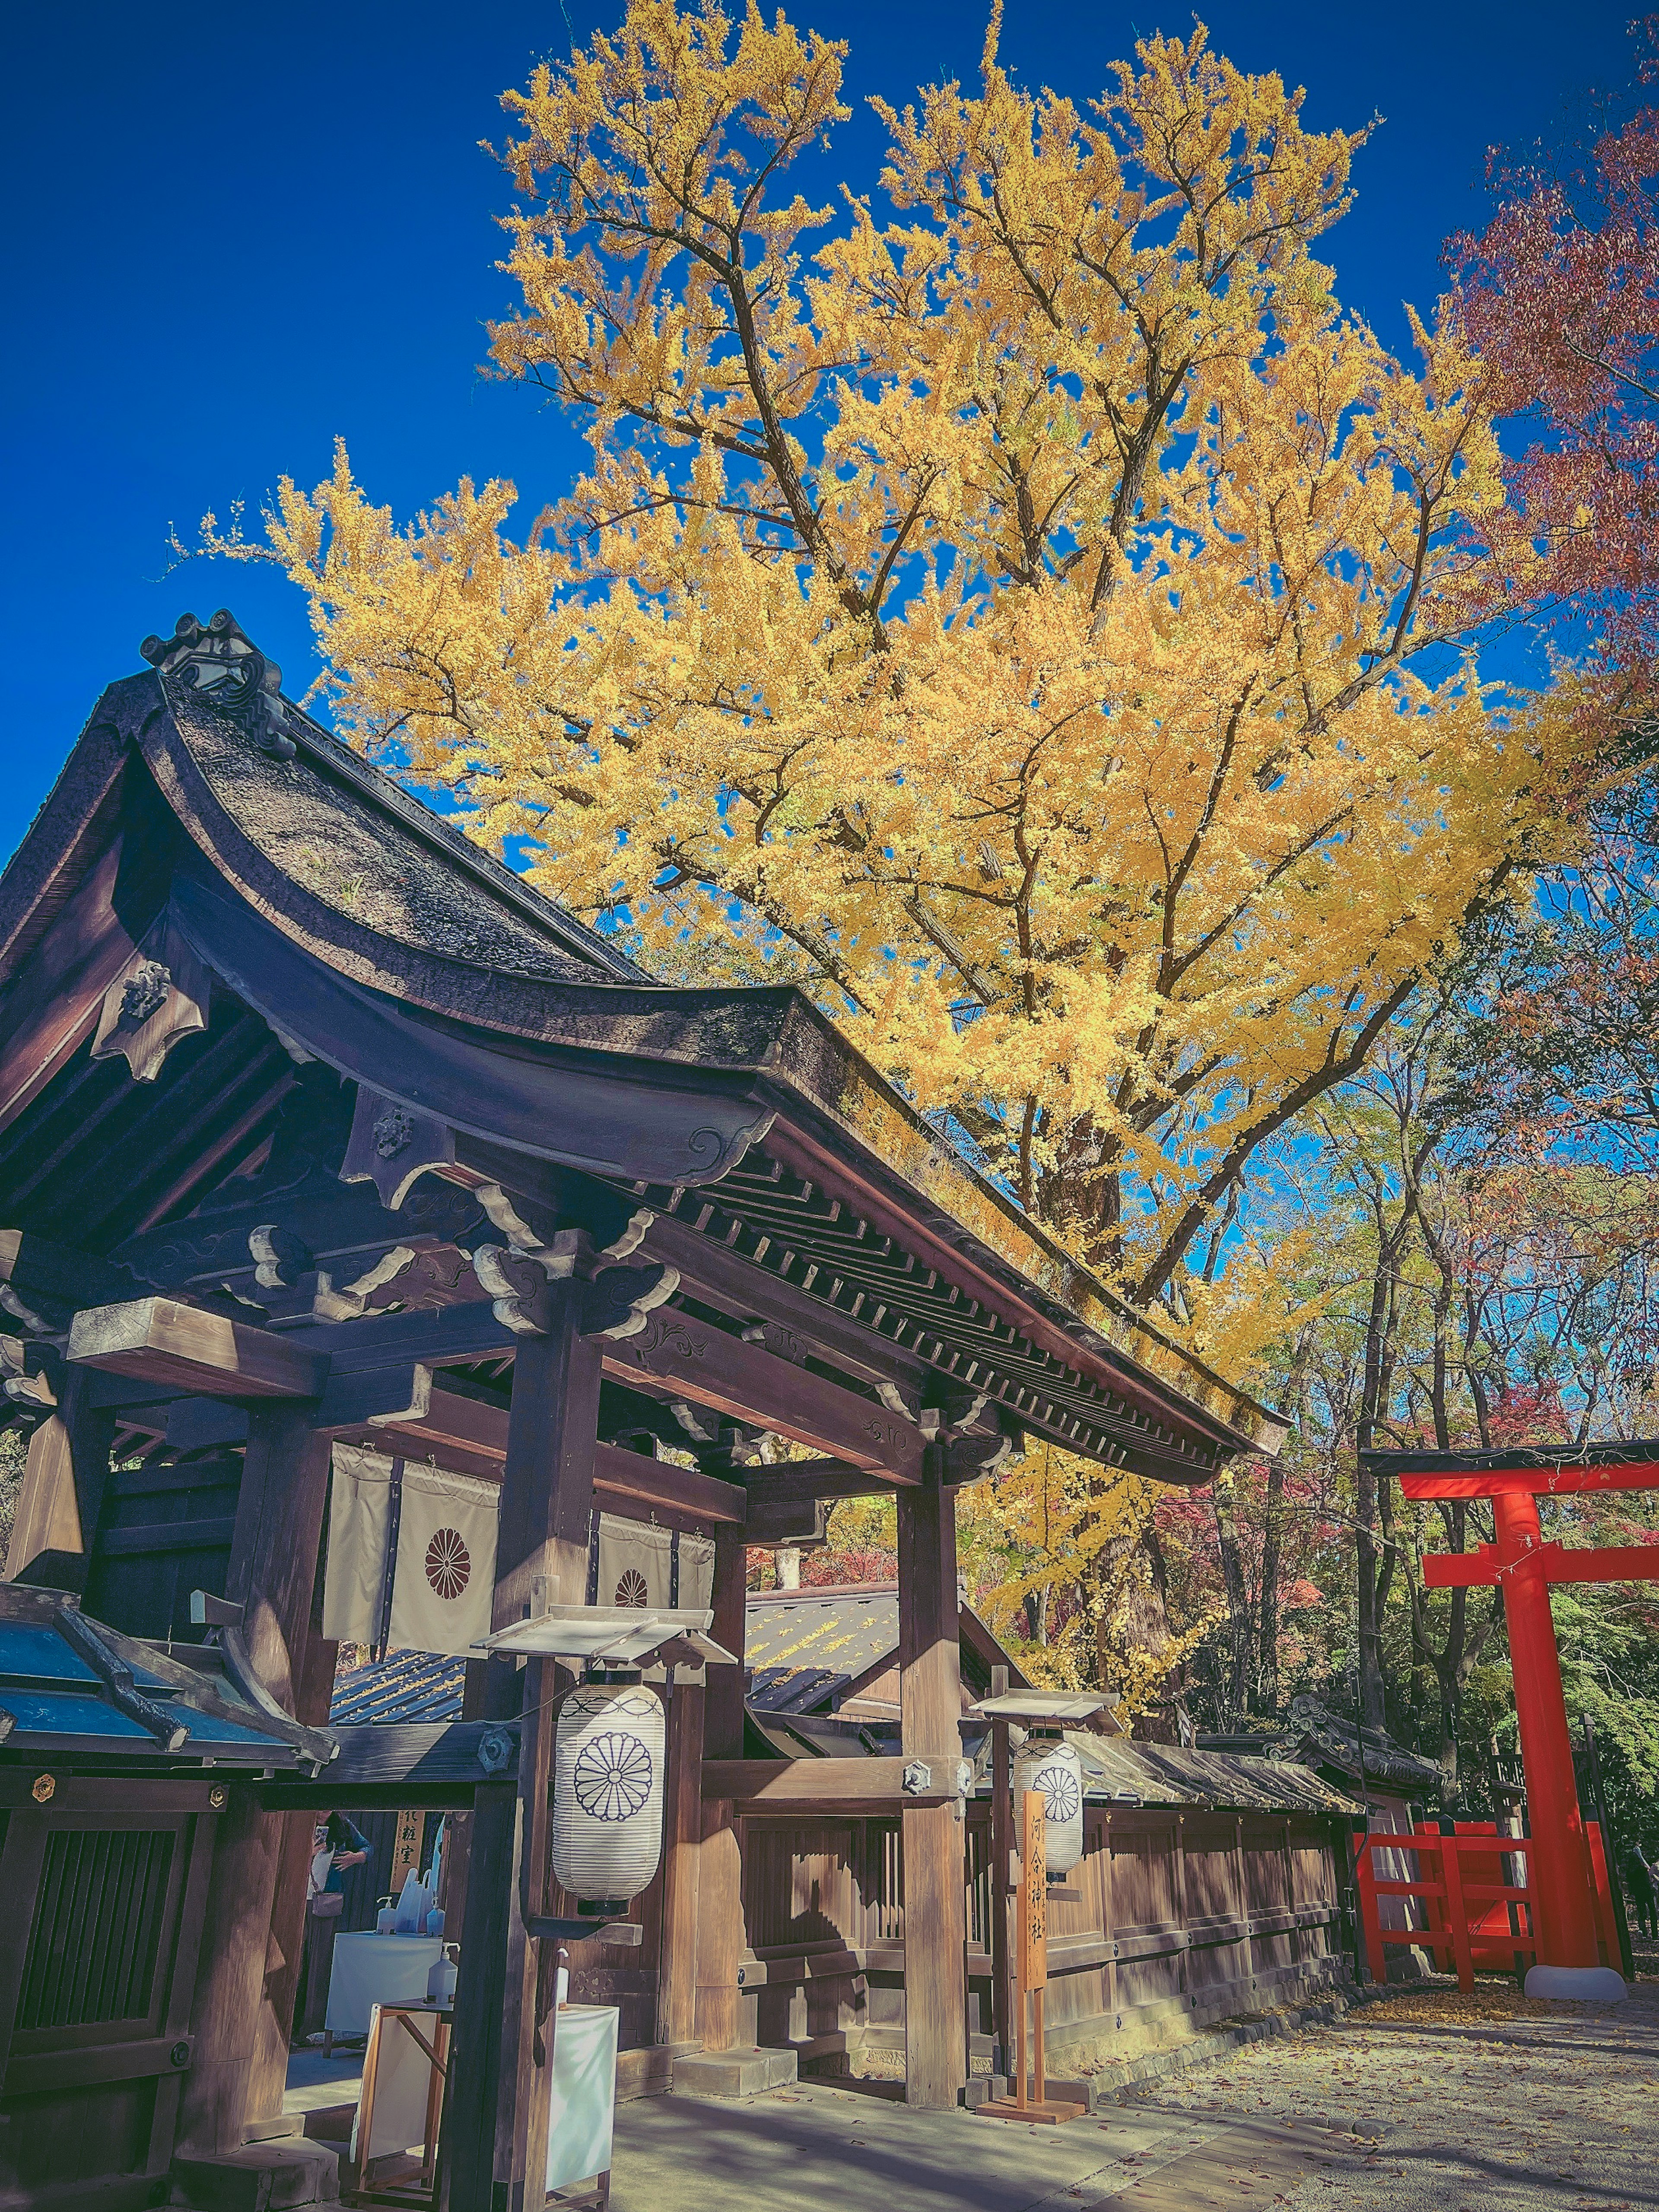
<point>317,1124</point>
<point>1521,1564</point>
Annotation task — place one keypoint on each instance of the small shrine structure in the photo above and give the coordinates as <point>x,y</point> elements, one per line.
<point>319,1126</point>
<point>1524,1567</point>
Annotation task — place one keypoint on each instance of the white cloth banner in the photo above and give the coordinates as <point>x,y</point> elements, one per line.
<point>697,1572</point>
<point>445,1575</point>
<point>635,1563</point>
<point>445,1578</point>
<point>359,1516</point>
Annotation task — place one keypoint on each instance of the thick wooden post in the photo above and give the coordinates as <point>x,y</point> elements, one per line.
<point>720,1857</point>
<point>677,1968</point>
<point>245,1986</point>
<point>499,2100</point>
<point>64,1481</point>
<point>1002,1890</point>
<point>930,1694</point>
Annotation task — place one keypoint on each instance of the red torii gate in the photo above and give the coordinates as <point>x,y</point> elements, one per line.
<point>1523,1567</point>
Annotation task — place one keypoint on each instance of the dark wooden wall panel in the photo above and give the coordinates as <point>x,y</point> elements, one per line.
<point>162,1533</point>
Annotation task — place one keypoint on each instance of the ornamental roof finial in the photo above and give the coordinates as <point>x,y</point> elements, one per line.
<point>223,668</point>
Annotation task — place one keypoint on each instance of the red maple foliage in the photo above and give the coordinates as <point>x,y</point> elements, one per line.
<point>1561,294</point>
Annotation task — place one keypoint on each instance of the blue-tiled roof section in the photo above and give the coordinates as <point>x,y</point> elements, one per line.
<point>74,1687</point>
<point>807,1648</point>
<point>32,1652</point>
<point>405,1686</point>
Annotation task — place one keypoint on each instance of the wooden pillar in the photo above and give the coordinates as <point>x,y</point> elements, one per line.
<point>930,1694</point>
<point>723,1715</point>
<point>676,1965</point>
<point>250,1954</point>
<point>720,1857</point>
<point>288,1914</point>
<point>1002,1888</point>
<point>64,1482</point>
<point>499,2099</point>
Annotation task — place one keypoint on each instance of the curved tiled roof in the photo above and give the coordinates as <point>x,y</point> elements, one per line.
<point>403,1686</point>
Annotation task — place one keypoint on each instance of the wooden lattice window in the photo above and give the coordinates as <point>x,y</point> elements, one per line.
<point>98,1917</point>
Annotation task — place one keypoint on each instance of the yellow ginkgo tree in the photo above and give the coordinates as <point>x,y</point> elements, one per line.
<point>1019,604</point>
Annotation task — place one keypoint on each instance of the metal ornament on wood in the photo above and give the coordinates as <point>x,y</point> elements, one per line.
<point>608,1791</point>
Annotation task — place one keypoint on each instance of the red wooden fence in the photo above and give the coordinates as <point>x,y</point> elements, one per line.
<point>1474,1913</point>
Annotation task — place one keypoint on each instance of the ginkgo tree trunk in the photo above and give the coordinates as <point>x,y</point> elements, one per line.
<point>1016,602</point>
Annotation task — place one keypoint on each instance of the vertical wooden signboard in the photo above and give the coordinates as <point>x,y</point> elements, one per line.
<point>1033,1927</point>
<point>1032,1814</point>
<point>405,1853</point>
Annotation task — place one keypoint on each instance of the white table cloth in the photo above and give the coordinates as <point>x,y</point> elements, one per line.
<point>371,1970</point>
<point>583,2093</point>
<point>403,2089</point>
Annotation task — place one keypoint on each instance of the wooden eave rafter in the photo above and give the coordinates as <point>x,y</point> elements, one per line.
<point>902,1267</point>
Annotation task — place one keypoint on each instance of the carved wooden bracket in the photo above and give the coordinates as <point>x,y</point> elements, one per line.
<point>970,1458</point>
<point>350,1301</point>
<point>615,1301</point>
<point>392,1147</point>
<point>30,1375</point>
<point>159,996</point>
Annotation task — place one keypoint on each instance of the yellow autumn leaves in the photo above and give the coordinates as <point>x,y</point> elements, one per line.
<point>1032,616</point>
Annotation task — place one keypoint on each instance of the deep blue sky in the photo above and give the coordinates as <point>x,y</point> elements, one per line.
<point>234,232</point>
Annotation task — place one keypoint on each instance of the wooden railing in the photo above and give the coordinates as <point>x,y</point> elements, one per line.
<point>1473,1913</point>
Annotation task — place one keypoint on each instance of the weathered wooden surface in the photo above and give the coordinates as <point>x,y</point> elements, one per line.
<point>930,1703</point>
<point>805,1785</point>
<point>715,1368</point>
<point>248,1969</point>
<point>677,1988</point>
<point>64,1482</point>
<point>721,1937</point>
<point>547,1495</point>
<point>160,1340</point>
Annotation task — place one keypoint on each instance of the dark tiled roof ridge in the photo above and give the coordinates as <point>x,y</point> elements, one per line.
<point>383,789</point>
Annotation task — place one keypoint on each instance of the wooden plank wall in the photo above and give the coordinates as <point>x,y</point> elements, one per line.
<point>163,1532</point>
<point>1179,1916</point>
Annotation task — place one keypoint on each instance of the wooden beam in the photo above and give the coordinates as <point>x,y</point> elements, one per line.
<point>804,1481</point>
<point>632,1478</point>
<point>677,1971</point>
<point>720,1929</point>
<point>783,1521</point>
<point>471,1437</point>
<point>241,2053</point>
<point>798,1785</point>
<point>55,998</point>
<point>930,1706</point>
<point>63,1481</point>
<point>712,1368</point>
<point>157,1341</point>
<point>724,1279</point>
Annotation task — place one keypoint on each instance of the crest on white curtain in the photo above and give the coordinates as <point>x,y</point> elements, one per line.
<point>445,1579</point>
<point>635,1563</point>
<point>444,1576</point>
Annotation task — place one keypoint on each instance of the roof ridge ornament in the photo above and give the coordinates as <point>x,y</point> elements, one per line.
<point>222,667</point>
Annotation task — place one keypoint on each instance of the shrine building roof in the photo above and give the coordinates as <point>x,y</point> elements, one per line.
<point>205,826</point>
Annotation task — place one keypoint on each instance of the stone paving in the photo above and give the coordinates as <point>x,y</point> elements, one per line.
<point>1487,2104</point>
<point>1482,2104</point>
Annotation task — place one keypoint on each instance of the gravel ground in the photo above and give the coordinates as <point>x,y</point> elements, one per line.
<point>1485,2104</point>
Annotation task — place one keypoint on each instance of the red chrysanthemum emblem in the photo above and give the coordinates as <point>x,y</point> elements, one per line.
<point>448,1564</point>
<point>631,1590</point>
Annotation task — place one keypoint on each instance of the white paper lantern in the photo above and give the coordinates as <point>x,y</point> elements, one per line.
<point>1048,1763</point>
<point>607,1790</point>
